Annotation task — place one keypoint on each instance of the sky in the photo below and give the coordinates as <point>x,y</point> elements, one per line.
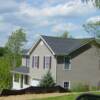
<point>45,17</point>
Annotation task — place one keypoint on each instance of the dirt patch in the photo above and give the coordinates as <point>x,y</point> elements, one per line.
<point>31,96</point>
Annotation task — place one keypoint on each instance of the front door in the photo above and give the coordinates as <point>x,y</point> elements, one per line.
<point>21,81</point>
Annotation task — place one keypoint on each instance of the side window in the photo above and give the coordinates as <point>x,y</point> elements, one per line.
<point>66,85</point>
<point>67,63</point>
<point>27,62</point>
<point>47,62</point>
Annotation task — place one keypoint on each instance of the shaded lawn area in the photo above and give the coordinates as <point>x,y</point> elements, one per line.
<point>71,96</point>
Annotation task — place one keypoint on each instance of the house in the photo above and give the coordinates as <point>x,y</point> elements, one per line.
<point>70,61</point>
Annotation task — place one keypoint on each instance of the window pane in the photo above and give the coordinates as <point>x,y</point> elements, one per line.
<point>47,62</point>
<point>26,79</point>
<point>16,77</point>
<point>67,63</point>
<point>66,85</point>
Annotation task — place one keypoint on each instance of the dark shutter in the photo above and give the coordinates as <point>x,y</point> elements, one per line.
<point>33,61</point>
<point>50,62</point>
<point>44,62</point>
<point>38,62</point>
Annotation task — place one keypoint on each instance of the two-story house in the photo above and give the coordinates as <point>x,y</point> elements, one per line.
<point>70,61</point>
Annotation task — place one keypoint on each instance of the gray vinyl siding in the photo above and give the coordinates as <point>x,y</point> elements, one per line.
<point>41,50</point>
<point>85,68</point>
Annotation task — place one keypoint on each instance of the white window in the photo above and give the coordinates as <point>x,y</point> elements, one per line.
<point>47,62</point>
<point>67,63</point>
<point>67,85</point>
<point>35,62</point>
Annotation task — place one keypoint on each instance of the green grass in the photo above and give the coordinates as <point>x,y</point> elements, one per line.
<point>65,97</point>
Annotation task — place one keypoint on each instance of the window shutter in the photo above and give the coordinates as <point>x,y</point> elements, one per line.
<point>44,62</point>
<point>33,61</point>
<point>50,62</point>
<point>38,62</point>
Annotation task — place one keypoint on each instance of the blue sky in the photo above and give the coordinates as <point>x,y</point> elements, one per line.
<point>48,17</point>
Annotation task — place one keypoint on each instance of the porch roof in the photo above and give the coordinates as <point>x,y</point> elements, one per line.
<point>21,70</point>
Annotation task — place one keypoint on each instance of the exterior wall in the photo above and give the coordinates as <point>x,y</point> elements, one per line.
<point>85,68</point>
<point>41,50</point>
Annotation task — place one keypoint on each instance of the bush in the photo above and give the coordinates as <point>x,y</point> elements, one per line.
<point>93,88</point>
<point>47,80</point>
<point>80,88</point>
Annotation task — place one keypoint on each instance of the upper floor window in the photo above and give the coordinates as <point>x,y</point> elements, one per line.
<point>35,61</point>
<point>47,62</point>
<point>27,62</point>
<point>67,63</point>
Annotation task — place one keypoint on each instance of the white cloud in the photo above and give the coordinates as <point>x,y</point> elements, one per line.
<point>64,27</point>
<point>93,19</point>
<point>71,8</point>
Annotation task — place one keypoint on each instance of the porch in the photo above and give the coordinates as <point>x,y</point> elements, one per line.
<point>21,78</point>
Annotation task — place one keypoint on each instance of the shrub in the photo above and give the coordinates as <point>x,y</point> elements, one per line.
<point>47,80</point>
<point>80,88</point>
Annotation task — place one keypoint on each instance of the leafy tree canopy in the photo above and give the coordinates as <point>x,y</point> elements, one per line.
<point>96,3</point>
<point>93,28</point>
<point>16,41</point>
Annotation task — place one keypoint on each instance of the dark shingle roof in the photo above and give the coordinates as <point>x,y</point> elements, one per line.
<point>64,46</point>
<point>22,70</point>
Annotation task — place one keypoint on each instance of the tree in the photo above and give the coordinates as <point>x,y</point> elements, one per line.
<point>47,80</point>
<point>15,44</point>
<point>65,34</point>
<point>93,28</point>
<point>2,51</point>
<point>96,3</point>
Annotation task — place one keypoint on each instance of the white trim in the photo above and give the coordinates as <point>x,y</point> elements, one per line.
<point>70,68</point>
<point>69,87</point>
<point>47,45</point>
<point>34,45</point>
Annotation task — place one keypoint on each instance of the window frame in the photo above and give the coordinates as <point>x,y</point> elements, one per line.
<point>45,63</point>
<point>69,63</point>
<point>69,86</point>
<point>35,63</point>
<point>27,62</point>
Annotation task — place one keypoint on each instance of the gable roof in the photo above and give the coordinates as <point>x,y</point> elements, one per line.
<point>63,46</point>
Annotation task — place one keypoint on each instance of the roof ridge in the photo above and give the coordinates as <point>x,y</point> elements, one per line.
<point>58,37</point>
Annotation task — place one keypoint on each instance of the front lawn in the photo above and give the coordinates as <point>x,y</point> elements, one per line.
<point>71,96</point>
